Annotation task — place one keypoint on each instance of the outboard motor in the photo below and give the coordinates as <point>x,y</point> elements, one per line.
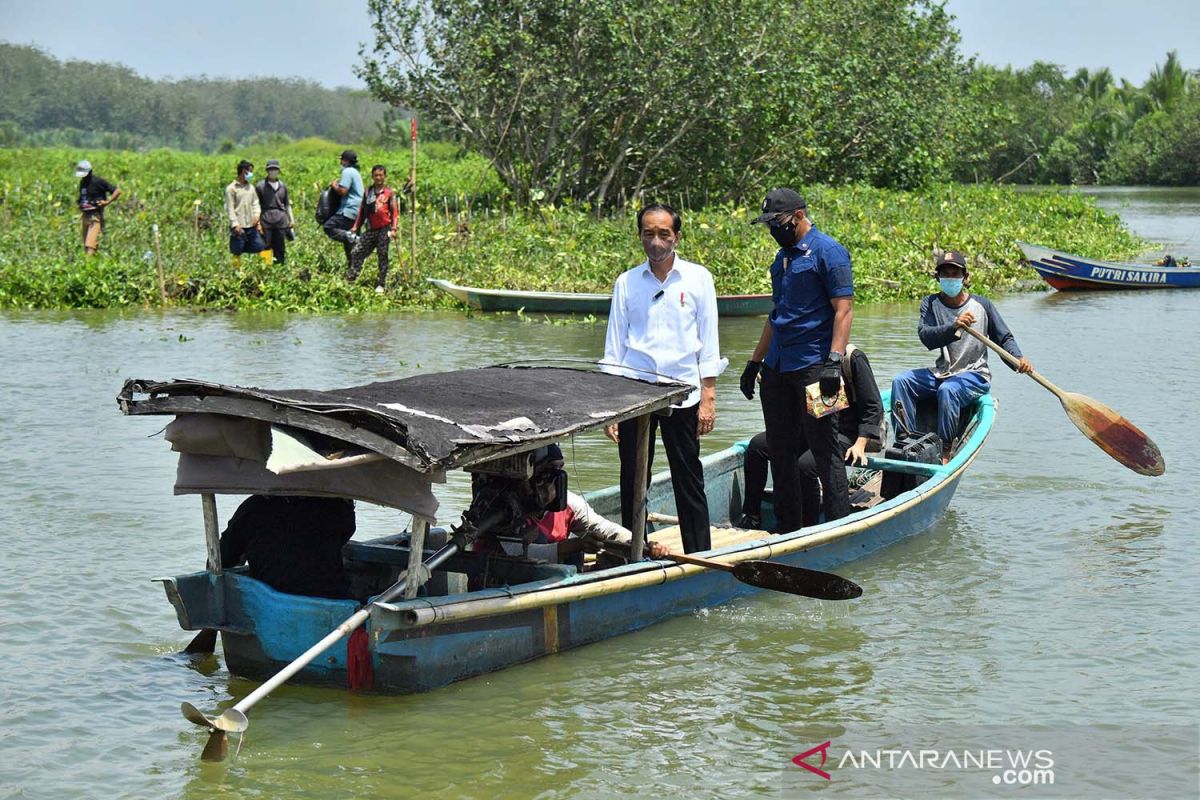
<point>507,490</point>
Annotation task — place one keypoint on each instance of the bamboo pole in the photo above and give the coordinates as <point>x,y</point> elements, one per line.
<point>416,555</point>
<point>212,541</point>
<point>652,574</point>
<point>412,179</point>
<point>162,284</point>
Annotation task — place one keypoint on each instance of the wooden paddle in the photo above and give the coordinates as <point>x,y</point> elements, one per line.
<point>781,577</point>
<point>1114,434</point>
<point>774,576</point>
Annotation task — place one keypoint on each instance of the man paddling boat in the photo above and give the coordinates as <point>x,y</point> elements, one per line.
<point>961,373</point>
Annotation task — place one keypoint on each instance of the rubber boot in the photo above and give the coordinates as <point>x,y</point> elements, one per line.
<point>267,256</point>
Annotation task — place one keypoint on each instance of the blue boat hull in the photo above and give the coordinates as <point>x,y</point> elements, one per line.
<point>428,642</point>
<point>1066,272</point>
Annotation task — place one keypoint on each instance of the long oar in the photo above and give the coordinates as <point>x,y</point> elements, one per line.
<point>781,577</point>
<point>1114,434</point>
<point>234,720</point>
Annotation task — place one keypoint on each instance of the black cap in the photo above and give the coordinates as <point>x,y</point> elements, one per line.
<point>778,201</point>
<point>272,163</point>
<point>951,258</point>
<point>545,455</point>
<point>350,155</point>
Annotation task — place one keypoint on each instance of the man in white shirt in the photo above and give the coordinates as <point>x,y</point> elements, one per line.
<point>663,325</point>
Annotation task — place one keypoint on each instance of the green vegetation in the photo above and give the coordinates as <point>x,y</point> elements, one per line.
<point>605,101</point>
<point>1037,125</point>
<point>46,102</point>
<point>469,232</point>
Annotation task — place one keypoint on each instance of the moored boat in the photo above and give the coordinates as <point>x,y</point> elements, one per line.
<point>1067,272</point>
<point>388,443</point>
<point>728,305</point>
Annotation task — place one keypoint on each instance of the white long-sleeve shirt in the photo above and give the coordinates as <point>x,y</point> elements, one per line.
<point>664,329</point>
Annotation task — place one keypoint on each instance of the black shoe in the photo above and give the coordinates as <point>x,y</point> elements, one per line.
<point>749,522</point>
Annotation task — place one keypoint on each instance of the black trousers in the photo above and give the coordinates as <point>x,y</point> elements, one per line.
<point>338,228</point>
<point>687,476</point>
<point>277,241</point>
<point>790,431</point>
<point>756,463</point>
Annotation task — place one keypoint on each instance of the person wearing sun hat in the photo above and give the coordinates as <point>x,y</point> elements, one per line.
<point>94,194</point>
<point>961,373</point>
<point>277,221</point>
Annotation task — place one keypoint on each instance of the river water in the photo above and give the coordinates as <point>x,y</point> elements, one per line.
<point>1060,589</point>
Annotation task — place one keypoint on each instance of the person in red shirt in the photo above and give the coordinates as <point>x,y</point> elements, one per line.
<point>562,529</point>
<point>376,224</point>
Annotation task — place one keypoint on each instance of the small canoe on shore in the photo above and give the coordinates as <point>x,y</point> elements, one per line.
<point>728,305</point>
<point>1066,272</point>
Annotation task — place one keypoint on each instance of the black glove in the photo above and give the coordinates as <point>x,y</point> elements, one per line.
<point>831,379</point>
<point>749,375</point>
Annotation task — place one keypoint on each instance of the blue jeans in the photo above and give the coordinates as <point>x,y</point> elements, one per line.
<point>953,395</point>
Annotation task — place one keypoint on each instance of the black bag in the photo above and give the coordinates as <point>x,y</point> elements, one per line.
<point>920,448</point>
<point>327,205</point>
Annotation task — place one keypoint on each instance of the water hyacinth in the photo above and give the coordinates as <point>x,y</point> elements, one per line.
<point>468,232</point>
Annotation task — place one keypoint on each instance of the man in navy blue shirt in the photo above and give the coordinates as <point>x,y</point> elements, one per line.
<point>803,342</point>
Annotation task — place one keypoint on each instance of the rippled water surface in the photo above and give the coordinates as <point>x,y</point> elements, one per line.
<point>1060,588</point>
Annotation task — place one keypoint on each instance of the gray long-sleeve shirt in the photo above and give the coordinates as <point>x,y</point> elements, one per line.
<point>958,352</point>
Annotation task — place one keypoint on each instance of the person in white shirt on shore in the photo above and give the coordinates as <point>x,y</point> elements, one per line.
<point>663,325</point>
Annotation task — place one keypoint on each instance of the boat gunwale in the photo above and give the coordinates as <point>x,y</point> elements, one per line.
<point>458,291</point>
<point>424,611</point>
<point>1027,248</point>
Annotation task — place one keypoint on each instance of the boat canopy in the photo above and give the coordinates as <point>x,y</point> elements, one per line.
<point>384,442</point>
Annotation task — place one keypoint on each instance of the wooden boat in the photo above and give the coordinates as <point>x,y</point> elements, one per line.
<point>728,305</point>
<point>387,443</point>
<point>1066,272</point>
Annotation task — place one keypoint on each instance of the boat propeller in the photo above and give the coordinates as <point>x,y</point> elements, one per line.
<point>219,728</point>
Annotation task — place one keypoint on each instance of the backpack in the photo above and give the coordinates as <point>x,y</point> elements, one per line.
<point>327,205</point>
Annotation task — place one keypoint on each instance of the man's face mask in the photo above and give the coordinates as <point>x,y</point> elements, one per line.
<point>657,248</point>
<point>951,286</point>
<point>783,230</point>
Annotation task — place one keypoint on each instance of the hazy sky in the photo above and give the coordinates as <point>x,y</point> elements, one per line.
<point>318,39</point>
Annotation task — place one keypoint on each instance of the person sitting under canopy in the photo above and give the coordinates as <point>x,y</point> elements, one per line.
<point>561,524</point>
<point>292,543</point>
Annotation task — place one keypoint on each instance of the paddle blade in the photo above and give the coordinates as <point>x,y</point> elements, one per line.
<point>1114,434</point>
<point>216,748</point>
<point>796,580</point>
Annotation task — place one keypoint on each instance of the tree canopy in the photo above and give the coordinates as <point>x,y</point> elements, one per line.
<point>604,100</point>
<point>47,101</point>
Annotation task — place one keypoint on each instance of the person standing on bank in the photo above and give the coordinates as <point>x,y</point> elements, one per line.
<point>380,212</point>
<point>94,194</point>
<point>243,211</point>
<point>803,342</point>
<point>348,186</point>
<point>663,324</point>
<point>961,373</point>
<point>277,221</point>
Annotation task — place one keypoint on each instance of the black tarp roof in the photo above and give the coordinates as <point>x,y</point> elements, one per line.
<point>444,420</point>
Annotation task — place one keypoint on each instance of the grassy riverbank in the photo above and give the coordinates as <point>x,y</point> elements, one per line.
<point>468,233</point>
